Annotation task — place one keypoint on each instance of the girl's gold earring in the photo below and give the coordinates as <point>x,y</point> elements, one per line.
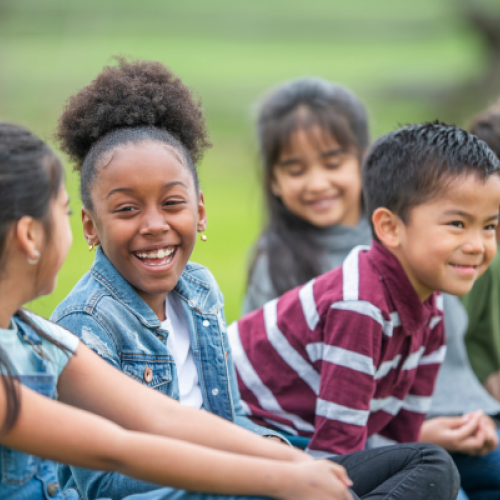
<point>203,237</point>
<point>91,247</point>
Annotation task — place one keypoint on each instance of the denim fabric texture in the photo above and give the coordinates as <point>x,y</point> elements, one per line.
<point>480,475</point>
<point>24,476</point>
<point>111,318</point>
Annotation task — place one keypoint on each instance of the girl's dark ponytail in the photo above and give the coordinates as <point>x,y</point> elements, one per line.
<point>11,388</point>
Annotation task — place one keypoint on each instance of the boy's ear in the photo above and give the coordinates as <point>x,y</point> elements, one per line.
<point>202,212</point>
<point>89,227</point>
<point>386,225</point>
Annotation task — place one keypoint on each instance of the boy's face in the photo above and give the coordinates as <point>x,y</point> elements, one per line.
<point>449,241</point>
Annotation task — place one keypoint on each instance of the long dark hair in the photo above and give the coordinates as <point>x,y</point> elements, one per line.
<point>30,178</point>
<point>11,391</point>
<point>294,254</point>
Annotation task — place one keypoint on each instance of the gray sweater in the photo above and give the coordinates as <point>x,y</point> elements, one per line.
<point>458,390</point>
<point>337,240</point>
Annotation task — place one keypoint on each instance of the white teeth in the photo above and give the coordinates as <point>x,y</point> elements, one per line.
<point>160,254</point>
<point>162,262</point>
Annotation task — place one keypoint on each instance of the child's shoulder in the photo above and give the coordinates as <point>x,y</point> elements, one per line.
<point>199,284</point>
<point>85,295</point>
<point>195,271</point>
<point>52,330</point>
<point>355,284</point>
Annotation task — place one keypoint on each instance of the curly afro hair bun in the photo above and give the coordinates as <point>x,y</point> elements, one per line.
<point>132,102</point>
<point>132,94</point>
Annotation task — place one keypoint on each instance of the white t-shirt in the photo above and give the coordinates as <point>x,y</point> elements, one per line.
<point>179,344</point>
<point>20,353</point>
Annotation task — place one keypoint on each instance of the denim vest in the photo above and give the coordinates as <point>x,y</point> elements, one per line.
<point>112,319</point>
<point>25,476</point>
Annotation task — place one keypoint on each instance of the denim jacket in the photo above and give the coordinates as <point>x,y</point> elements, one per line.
<point>112,319</point>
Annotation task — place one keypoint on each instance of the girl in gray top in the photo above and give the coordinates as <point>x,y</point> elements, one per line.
<point>312,135</point>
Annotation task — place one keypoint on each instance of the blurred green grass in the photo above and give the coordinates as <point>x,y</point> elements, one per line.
<point>229,53</point>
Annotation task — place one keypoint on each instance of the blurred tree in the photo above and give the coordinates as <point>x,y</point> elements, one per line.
<point>482,19</point>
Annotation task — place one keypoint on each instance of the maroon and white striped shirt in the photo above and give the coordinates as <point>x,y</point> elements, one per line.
<point>351,354</point>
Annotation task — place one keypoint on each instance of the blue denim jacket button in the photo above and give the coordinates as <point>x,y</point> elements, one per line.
<point>215,392</point>
<point>52,489</point>
<point>206,323</point>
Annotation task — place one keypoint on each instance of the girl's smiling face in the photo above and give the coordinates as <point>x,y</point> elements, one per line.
<point>146,213</point>
<point>318,180</point>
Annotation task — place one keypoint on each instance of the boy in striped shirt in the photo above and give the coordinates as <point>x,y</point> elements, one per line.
<point>355,352</point>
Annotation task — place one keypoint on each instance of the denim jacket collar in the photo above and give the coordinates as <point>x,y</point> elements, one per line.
<point>192,289</point>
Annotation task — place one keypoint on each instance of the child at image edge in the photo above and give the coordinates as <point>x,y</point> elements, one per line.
<point>483,302</point>
<point>375,336</point>
<point>312,135</point>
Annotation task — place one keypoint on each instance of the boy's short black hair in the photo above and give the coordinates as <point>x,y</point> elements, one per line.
<point>411,165</point>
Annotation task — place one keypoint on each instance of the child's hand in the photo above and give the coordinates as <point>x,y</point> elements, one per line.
<point>457,434</point>
<point>318,480</point>
<point>491,435</point>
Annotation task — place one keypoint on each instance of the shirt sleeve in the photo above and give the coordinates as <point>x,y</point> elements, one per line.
<point>61,335</point>
<point>347,386</point>
<point>240,415</point>
<point>405,426</point>
<point>90,483</point>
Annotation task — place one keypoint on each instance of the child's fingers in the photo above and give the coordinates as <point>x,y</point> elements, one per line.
<point>457,422</point>
<point>474,444</point>
<point>468,428</point>
<point>340,473</point>
<point>491,436</point>
<point>488,424</point>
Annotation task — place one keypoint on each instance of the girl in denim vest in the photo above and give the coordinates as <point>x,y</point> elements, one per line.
<point>135,134</point>
<point>41,361</point>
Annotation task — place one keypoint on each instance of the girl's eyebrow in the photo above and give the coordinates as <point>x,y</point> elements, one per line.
<point>288,161</point>
<point>332,152</point>
<point>131,190</point>
<point>292,160</point>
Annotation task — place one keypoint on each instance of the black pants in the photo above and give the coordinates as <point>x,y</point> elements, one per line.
<point>402,472</point>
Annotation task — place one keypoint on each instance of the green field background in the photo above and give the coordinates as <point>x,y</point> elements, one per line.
<point>229,53</point>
